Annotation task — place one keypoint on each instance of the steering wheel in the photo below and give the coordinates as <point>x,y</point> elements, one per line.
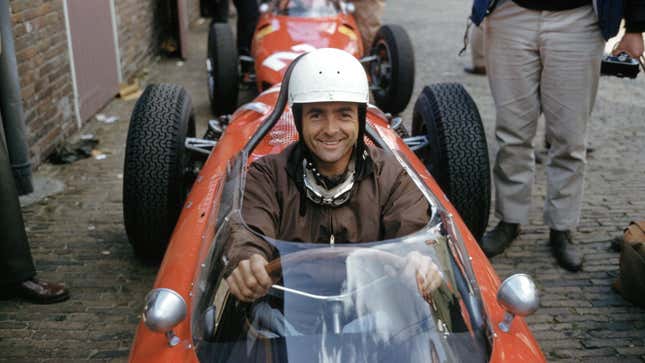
<point>332,306</point>
<point>329,256</point>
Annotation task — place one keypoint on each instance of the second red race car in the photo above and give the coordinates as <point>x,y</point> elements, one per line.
<point>288,28</point>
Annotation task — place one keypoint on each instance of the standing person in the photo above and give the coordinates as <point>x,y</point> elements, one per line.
<point>368,19</point>
<point>248,14</point>
<point>544,57</point>
<point>477,51</point>
<point>18,277</point>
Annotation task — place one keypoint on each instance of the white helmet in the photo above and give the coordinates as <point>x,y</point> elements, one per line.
<point>326,75</point>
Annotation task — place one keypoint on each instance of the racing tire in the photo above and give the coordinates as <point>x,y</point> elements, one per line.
<point>392,74</point>
<point>457,152</point>
<point>157,169</point>
<point>222,68</point>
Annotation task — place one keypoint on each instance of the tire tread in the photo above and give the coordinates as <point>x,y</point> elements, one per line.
<point>151,200</point>
<point>465,170</point>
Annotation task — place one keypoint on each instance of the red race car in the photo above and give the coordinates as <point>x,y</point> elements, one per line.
<point>182,198</point>
<point>287,29</point>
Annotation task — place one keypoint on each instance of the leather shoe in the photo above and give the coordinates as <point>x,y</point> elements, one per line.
<point>564,251</point>
<point>476,70</point>
<point>37,291</point>
<point>496,240</point>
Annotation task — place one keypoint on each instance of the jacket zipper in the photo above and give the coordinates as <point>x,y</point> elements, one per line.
<point>332,239</point>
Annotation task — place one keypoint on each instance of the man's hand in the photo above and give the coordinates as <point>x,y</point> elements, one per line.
<point>632,43</point>
<point>250,280</point>
<point>426,272</point>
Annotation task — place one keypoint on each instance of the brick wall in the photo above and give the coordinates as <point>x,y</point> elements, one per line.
<point>44,70</point>
<point>139,31</point>
<point>42,54</point>
<point>138,34</point>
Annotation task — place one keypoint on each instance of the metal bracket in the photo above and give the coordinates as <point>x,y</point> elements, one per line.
<point>396,124</point>
<point>505,325</point>
<point>369,59</point>
<point>198,145</point>
<point>215,129</point>
<point>416,142</point>
<point>246,58</point>
<point>173,339</point>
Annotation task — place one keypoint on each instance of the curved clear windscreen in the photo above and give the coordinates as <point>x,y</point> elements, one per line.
<point>307,8</point>
<point>356,304</point>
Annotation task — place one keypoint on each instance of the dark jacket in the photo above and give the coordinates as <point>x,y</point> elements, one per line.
<point>610,13</point>
<point>635,16</point>
<point>385,204</point>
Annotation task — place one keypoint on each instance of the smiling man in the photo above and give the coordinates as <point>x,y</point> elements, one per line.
<point>328,187</point>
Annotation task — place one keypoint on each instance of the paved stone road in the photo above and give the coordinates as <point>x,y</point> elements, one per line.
<point>78,235</point>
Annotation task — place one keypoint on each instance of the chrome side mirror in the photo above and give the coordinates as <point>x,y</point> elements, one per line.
<point>518,295</point>
<point>164,309</point>
<point>264,8</point>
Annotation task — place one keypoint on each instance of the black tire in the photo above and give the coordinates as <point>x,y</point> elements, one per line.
<point>457,154</point>
<point>392,74</point>
<point>222,67</point>
<point>158,169</point>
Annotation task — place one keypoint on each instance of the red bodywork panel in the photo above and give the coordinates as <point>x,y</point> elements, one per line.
<point>196,227</point>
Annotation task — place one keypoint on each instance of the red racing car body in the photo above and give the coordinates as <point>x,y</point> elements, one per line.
<point>182,198</point>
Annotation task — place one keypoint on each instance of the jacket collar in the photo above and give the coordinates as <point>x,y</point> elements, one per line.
<point>297,152</point>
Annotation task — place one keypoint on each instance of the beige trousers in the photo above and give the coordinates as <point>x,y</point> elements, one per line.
<point>477,47</point>
<point>368,18</point>
<point>542,62</point>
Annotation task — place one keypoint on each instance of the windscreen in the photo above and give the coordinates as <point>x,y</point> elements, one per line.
<point>307,8</point>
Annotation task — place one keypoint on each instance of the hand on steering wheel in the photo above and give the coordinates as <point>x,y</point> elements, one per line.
<point>426,272</point>
<point>250,279</point>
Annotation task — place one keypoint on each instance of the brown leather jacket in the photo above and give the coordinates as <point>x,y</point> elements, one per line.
<point>385,204</point>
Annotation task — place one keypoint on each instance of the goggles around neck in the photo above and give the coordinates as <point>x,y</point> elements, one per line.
<point>318,194</point>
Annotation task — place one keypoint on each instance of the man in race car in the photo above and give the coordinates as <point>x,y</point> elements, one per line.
<point>329,186</point>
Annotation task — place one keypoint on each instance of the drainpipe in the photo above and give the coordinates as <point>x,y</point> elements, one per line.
<point>11,106</point>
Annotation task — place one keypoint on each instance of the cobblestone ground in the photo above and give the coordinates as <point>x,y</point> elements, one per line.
<point>77,235</point>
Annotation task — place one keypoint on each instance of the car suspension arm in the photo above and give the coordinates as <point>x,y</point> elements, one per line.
<point>416,142</point>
